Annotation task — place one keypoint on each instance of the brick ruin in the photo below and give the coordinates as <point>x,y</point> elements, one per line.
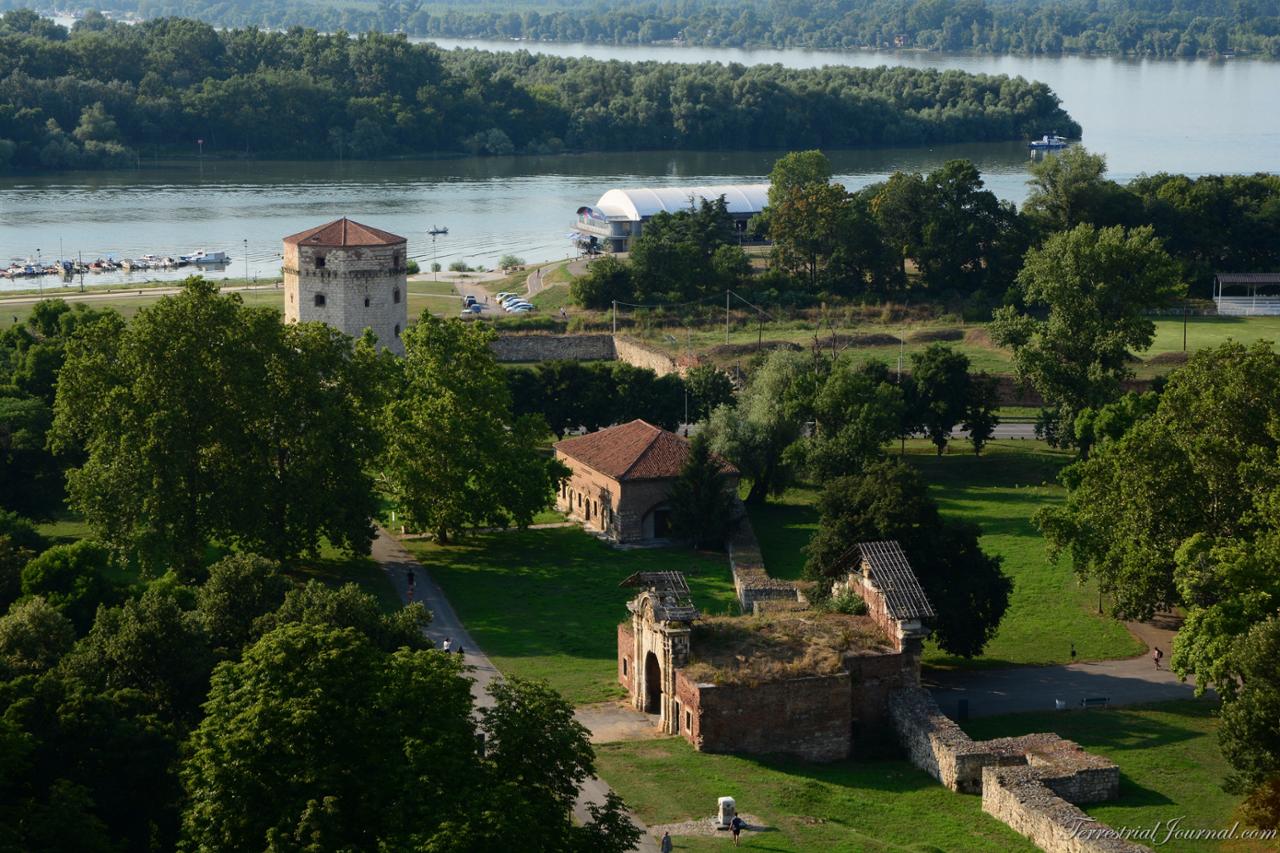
<point>1032,783</point>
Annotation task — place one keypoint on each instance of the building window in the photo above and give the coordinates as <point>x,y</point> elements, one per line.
<point>395,296</point>
<point>319,300</point>
<point>319,262</point>
<point>366,302</point>
<point>688,720</point>
<point>624,666</point>
<point>677,718</point>
<point>397,330</point>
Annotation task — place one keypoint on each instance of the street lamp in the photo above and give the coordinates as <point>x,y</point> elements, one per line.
<point>246,261</point>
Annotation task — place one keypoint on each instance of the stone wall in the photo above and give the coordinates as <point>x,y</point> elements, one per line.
<point>534,348</point>
<point>1018,797</point>
<point>358,288</point>
<point>639,354</point>
<point>750,580</point>
<point>626,665</point>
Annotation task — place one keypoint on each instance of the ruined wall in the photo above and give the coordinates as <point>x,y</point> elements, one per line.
<point>639,354</point>
<point>534,348</point>
<point>873,679</point>
<point>750,580</point>
<point>805,717</point>
<point>1019,798</point>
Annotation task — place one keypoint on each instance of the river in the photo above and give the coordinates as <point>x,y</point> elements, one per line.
<point>1194,116</point>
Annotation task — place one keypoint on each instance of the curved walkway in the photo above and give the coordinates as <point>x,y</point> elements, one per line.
<point>397,563</point>
<point>1131,681</point>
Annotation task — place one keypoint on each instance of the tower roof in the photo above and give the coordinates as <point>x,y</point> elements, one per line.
<point>341,233</point>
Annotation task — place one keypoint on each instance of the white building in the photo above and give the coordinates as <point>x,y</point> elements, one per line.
<point>619,215</point>
<point>350,276</point>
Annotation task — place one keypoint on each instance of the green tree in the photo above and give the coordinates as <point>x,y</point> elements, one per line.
<point>856,410</point>
<point>890,501</point>
<point>348,606</point>
<point>941,378</point>
<point>709,387</point>
<point>1065,188</point>
<point>240,589</point>
<point>457,457</point>
<point>795,171</point>
<point>768,418</point>
<point>1250,730</point>
<point>202,418</point>
<point>607,279</point>
<point>702,503</point>
<point>33,638</point>
<point>980,418</point>
<point>1096,287</point>
<point>73,579</point>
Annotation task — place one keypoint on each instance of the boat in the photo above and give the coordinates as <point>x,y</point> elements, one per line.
<point>434,231</point>
<point>1048,142</point>
<point>200,256</point>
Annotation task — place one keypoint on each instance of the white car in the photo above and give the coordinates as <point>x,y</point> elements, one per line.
<point>519,306</point>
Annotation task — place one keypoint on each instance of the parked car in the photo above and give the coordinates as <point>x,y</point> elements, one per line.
<point>468,300</point>
<point>503,294</point>
<point>515,306</point>
<point>471,309</point>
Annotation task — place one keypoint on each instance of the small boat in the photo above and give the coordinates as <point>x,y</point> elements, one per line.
<point>435,230</point>
<point>202,257</point>
<point>1048,142</point>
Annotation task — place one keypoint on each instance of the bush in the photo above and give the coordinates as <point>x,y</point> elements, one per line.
<point>849,603</point>
<point>435,267</point>
<point>510,262</point>
<point>412,268</point>
<point>459,266</point>
<point>531,323</point>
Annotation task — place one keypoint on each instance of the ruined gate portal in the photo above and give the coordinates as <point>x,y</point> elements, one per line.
<point>661,620</point>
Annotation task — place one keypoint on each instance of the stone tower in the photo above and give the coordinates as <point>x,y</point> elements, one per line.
<point>350,276</point>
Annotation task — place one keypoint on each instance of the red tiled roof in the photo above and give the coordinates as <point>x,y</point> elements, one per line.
<point>343,232</point>
<point>635,451</point>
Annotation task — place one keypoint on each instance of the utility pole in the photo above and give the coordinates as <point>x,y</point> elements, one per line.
<point>1184,327</point>
<point>726,316</point>
<point>246,261</point>
<point>615,316</point>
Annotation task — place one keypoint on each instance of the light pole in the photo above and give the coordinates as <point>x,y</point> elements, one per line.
<point>246,261</point>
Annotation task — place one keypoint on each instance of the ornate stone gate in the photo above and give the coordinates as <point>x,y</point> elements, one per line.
<point>661,620</point>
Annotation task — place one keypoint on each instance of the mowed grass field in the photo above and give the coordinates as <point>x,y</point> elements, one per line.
<point>547,603</point>
<point>999,491</point>
<point>1168,756</point>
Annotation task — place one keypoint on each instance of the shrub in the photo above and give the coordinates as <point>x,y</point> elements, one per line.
<point>412,268</point>
<point>849,603</point>
<point>459,266</point>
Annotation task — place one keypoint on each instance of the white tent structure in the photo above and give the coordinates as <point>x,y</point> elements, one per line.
<point>620,214</point>
<point>1253,294</point>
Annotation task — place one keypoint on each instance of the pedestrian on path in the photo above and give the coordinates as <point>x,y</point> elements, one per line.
<point>1073,652</point>
<point>448,644</point>
<point>1156,654</point>
<point>460,651</point>
<point>736,825</point>
<point>666,842</point>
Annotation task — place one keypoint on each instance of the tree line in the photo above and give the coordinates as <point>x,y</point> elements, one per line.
<point>106,94</point>
<point>1184,29</point>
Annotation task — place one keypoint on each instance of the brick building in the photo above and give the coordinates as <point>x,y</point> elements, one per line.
<point>621,479</point>
<point>350,276</point>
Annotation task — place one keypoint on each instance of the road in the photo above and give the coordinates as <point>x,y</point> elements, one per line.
<point>117,293</point>
<point>397,563</point>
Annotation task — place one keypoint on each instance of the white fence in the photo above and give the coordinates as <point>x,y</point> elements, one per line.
<point>1248,306</point>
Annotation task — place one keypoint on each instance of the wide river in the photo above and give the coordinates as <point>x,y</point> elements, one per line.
<point>1197,117</point>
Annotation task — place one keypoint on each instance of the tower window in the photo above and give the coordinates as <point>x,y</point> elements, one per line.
<point>319,300</point>
<point>319,262</point>
<point>397,330</point>
<point>395,296</point>
<point>366,302</point>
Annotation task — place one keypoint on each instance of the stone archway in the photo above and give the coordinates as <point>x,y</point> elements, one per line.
<point>652,684</point>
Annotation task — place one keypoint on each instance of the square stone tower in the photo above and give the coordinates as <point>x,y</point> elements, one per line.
<point>350,276</point>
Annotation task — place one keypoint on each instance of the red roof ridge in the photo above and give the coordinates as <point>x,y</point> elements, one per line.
<point>656,433</point>
<point>345,232</point>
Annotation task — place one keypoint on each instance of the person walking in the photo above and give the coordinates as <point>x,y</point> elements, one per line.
<point>460,651</point>
<point>447,645</point>
<point>1073,652</point>
<point>666,842</point>
<point>736,825</point>
<point>1156,654</point>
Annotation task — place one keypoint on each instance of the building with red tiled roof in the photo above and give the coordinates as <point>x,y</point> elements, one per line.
<point>621,479</point>
<point>350,276</point>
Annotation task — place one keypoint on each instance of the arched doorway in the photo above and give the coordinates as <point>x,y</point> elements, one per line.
<point>656,523</point>
<point>652,684</point>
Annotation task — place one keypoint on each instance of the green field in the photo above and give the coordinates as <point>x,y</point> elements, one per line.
<point>1168,756</point>
<point>999,491</point>
<point>546,603</point>
<point>863,806</point>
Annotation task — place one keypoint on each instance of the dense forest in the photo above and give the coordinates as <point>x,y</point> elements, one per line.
<point>1145,28</point>
<point>106,93</point>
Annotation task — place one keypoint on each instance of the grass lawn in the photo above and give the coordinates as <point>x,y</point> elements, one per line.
<point>1170,764</point>
<point>1049,609</point>
<point>546,603</point>
<point>846,805</point>
<point>552,299</point>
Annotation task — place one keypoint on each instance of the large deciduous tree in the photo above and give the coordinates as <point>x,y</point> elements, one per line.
<point>203,419</point>
<point>702,504</point>
<point>456,455</point>
<point>1087,293</point>
<point>890,500</point>
<point>944,389</point>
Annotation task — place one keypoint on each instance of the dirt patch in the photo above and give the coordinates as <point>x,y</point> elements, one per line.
<point>868,340</point>
<point>745,650</point>
<point>1176,357</point>
<point>707,827</point>
<point>927,336</point>
<point>979,337</point>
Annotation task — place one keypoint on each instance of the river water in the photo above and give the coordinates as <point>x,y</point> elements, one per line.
<point>1197,117</point>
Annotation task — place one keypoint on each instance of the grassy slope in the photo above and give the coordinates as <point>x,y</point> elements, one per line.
<point>999,492</point>
<point>1170,764</point>
<point>859,806</point>
<point>546,603</point>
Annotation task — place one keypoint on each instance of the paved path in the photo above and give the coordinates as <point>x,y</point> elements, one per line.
<point>117,292</point>
<point>1132,681</point>
<point>397,563</point>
